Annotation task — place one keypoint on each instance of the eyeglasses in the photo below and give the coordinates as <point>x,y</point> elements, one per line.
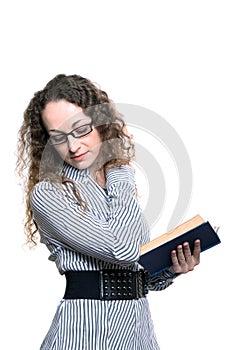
<point>62,137</point>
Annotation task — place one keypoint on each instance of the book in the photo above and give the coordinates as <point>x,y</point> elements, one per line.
<point>155,256</point>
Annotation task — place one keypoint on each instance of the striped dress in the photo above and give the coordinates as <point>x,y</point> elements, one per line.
<point>108,235</point>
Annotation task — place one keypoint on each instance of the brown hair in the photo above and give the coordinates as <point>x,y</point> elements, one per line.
<point>33,137</point>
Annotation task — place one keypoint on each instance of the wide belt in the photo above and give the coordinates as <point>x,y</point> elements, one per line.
<point>106,284</point>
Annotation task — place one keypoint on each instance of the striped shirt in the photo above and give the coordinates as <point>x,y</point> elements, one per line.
<point>107,235</point>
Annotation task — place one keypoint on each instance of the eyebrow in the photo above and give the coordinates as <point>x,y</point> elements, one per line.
<point>62,132</point>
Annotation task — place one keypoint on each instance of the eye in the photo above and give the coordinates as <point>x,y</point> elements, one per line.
<point>82,130</point>
<point>55,139</point>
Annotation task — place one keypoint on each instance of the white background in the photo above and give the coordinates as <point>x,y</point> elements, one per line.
<point>173,57</point>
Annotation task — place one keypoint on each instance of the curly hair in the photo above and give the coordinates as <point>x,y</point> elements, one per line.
<point>33,137</point>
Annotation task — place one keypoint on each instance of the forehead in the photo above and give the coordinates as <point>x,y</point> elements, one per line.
<point>62,115</point>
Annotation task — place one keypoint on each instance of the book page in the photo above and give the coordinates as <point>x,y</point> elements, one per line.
<point>177,231</point>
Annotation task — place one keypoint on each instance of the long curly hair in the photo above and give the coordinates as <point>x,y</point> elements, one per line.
<point>33,138</point>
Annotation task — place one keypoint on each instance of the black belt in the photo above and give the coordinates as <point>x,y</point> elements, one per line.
<point>106,284</point>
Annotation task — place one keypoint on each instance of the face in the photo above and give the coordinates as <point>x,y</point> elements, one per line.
<point>63,117</point>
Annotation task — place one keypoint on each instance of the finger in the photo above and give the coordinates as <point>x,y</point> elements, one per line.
<point>181,255</point>
<point>197,251</point>
<point>185,257</point>
<point>190,260</point>
<point>188,256</point>
<point>187,252</point>
<point>175,262</point>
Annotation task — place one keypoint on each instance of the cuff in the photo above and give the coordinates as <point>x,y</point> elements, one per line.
<point>162,280</point>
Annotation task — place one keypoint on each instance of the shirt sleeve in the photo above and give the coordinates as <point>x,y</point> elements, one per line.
<point>116,239</point>
<point>162,280</point>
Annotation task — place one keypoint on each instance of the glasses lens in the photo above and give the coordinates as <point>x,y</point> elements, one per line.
<point>82,130</point>
<point>57,139</point>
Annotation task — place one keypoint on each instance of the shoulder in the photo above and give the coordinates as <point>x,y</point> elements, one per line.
<point>46,186</point>
<point>46,191</point>
<point>47,199</point>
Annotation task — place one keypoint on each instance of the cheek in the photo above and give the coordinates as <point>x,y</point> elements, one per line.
<point>62,151</point>
<point>95,141</point>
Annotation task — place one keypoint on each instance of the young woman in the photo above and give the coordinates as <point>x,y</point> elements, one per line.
<point>74,155</point>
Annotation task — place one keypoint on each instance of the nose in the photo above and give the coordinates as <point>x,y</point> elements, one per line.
<point>73,144</point>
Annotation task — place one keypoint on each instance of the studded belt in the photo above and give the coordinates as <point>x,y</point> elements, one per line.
<point>106,284</point>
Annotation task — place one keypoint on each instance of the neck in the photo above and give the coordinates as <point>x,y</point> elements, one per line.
<point>99,177</point>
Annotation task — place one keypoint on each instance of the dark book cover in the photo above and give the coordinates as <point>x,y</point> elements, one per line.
<point>159,258</point>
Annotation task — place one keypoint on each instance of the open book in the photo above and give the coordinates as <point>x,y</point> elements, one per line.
<point>156,254</point>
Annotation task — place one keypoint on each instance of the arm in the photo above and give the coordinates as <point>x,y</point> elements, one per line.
<point>116,239</point>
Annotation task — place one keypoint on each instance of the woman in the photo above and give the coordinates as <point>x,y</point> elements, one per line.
<point>81,198</point>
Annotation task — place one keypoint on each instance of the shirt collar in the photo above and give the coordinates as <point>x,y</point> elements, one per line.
<point>73,173</point>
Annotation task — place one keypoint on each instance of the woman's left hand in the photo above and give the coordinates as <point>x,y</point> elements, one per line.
<point>183,259</point>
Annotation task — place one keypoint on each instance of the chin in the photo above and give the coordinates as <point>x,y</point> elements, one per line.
<point>82,164</point>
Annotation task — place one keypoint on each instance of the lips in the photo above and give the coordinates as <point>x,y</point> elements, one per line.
<point>80,156</point>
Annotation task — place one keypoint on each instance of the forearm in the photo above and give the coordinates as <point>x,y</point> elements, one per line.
<point>115,236</point>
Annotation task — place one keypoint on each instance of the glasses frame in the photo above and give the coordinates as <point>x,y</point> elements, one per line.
<point>66,134</point>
